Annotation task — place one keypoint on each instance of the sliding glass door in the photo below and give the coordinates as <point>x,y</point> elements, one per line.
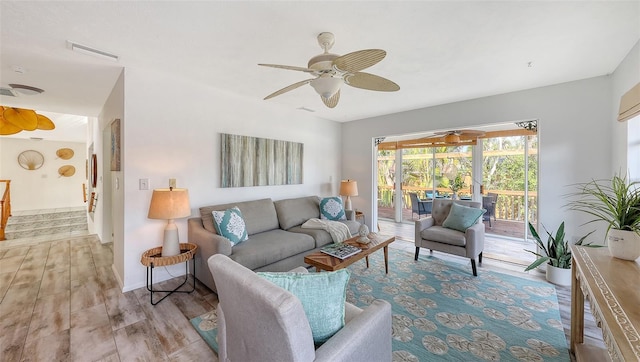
<point>510,175</point>
<point>501,171</point>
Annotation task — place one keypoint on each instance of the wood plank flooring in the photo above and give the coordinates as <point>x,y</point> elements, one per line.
<point>60,301</point>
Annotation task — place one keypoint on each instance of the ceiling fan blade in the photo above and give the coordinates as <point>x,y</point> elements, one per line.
<point>288,88</point>
<point>357,61</point>
<point>462,132</point>
<point>331,102</point>
<point>471,132</point>
<point>288,67</point>
<point>26,119</point>
<point>7,128</point>
<point>44,123</point>
<point>371,82</point>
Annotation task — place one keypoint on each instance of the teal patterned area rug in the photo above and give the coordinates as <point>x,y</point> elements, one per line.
<point>442,312</point>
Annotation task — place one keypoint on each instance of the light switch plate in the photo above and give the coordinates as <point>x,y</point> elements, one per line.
<point>143,184</point>
<point>172,183</point>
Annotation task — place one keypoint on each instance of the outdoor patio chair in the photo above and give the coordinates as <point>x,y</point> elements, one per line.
<point>419,206</point>
<point>434,233</point>
<point>489,204</point>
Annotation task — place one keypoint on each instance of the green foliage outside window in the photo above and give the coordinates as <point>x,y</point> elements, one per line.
<point>503,167</point>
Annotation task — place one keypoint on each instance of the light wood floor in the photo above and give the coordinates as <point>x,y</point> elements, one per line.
<point>60,301</point>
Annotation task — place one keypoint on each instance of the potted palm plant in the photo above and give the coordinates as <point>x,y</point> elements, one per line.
<point>617,203</point>
<point>555,253</point>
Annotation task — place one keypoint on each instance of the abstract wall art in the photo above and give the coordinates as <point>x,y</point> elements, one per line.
<point>251,161</point>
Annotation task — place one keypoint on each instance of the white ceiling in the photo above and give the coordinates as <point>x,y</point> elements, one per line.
<point>438,52</point>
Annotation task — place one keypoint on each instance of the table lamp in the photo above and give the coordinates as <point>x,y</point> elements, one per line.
<point>348,188</point>
<point>169,204</point>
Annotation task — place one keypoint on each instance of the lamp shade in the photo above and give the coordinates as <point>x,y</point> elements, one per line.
<point>169,204</point>
<point>348,188</point>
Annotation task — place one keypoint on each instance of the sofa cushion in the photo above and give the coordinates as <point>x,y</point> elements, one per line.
<point>294,212</point>
<point>444,235</point>
<point>230,224</point>
<point>462,217</point>
<point>258,215</point>
<point>321,237</point>
<point>269,247</point>
<point>353,226</point>
<point>331,208</point>
<point>322,295</point>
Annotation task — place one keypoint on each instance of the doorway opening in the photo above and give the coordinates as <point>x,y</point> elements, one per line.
<point>498,166</point>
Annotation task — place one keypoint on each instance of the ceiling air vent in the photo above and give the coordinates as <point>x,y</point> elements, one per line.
<point>7,92</point>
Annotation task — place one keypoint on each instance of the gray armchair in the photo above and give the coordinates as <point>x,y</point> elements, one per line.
<point>259,321</point>
<point>430,234</point>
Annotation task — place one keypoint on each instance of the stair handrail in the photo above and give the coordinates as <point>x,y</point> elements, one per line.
<point>5,207</point>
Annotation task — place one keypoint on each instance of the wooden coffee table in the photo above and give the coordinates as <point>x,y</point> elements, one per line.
<point>322,261</point>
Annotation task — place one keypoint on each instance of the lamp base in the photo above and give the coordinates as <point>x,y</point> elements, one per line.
<point>171,244</point>
<point>347,203</point>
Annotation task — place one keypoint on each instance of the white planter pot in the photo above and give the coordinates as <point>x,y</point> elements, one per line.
<point>624,244</point>
<point>558,276</point>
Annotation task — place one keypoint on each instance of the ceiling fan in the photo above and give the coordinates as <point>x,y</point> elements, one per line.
<point>331,70</point>
<point>456,136</point>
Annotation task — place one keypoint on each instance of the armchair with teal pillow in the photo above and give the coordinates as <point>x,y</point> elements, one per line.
<point>261,321</point>
<point>454,227</point>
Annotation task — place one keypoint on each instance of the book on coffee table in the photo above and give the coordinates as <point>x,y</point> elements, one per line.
<point>341,251</point>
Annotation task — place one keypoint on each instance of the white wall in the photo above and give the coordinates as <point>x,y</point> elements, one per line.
<point>112,204</point>
<point>626,135</point>
<point>169,137</point>
<point>43,188</point>
<point>574,121</point>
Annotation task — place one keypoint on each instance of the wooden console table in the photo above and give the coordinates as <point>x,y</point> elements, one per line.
<point>612,287</point>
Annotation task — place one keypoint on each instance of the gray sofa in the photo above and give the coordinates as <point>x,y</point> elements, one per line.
<point>276,240</point>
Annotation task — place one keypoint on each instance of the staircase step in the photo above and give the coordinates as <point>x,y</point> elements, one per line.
<point>46,223</point>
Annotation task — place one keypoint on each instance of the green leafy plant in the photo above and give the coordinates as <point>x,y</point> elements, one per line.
<point>615,201</point>
<point>556,252</point>
<point>457,183</point>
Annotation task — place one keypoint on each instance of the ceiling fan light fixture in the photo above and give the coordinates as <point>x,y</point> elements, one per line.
<point>26,90</point>
<point>452,138</point>
<point>326,86</point>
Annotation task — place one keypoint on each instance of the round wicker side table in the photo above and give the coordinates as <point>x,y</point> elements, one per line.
<point>153,258</point>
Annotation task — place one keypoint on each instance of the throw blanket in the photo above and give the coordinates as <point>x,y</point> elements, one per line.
<point>339,232</point>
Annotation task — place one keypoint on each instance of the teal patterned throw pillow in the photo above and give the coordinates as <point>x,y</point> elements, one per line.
<point>331,209</point>
<point>322,296</point>
<point>462,217</point>
<point>230,224</point>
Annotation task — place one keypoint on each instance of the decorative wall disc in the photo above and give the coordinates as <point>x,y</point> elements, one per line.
<point>31,160</point>
<point>64,153</point>
<point>66,171</point>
